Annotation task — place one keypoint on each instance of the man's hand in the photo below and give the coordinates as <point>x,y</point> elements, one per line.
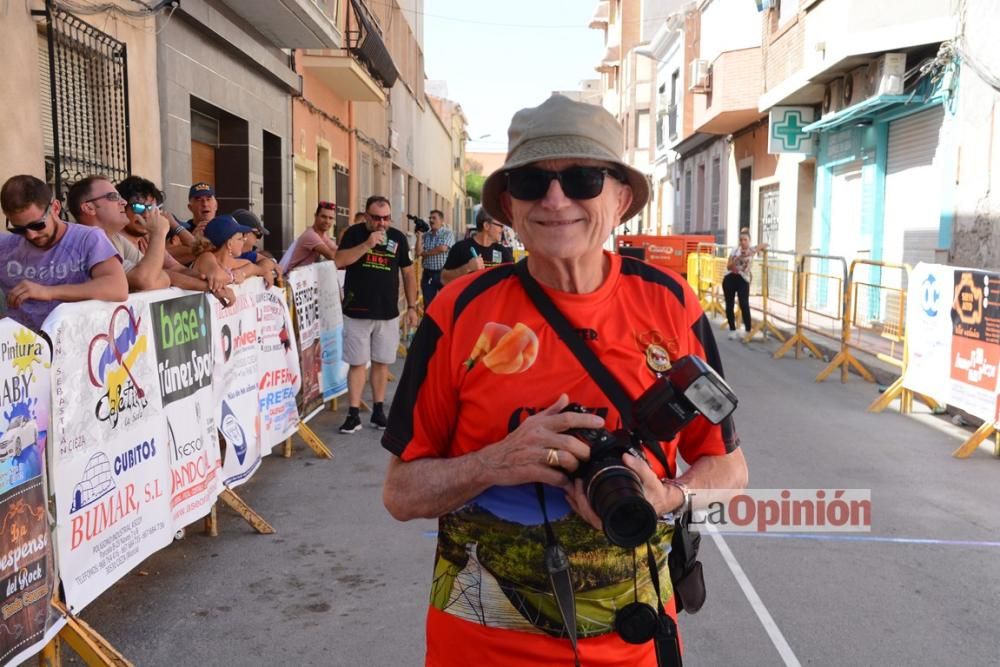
<point>155,223</point>
<point>142,243</point>
<point>412,319</point>
<point>216,280</point>
<point>523,455</point>
<point>375,238</point>
<point>25,291</point>
<point>474,264</point>
<point>662,497</point>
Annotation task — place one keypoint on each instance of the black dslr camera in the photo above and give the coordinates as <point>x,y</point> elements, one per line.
<point>689,388</point>
<point>419,224</point>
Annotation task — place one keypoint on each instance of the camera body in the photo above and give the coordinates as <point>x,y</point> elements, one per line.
<point>419,224</point>
<point>690,387</point>
<point>613,490</point>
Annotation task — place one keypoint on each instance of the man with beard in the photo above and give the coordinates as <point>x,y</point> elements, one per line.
<point>45,261</point>
<point>481,251</point>
<point>374,253</point>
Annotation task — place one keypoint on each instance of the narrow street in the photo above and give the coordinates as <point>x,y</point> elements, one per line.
<point>342,583</point>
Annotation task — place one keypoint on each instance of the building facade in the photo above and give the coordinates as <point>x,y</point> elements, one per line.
<point>66,116</point>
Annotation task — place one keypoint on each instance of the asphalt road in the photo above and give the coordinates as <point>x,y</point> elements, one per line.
<point>342,583</point>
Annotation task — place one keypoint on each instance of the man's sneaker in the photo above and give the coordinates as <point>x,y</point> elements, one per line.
<point>733,335</point>
<point>379,421</point>
<point>351,425</point>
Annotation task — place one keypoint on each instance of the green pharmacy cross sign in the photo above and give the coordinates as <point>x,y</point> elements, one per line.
<point>786,134</point>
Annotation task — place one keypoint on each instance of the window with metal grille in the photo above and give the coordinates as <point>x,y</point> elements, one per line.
<point>84,86</point>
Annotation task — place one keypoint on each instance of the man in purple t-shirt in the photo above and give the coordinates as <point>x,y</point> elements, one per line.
<point>45,261</point>
<point>314,242</point>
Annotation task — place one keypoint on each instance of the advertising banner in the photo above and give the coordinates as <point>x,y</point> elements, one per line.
<point>305,296</point>
<point>109,455</point>
<point>278,368</point>
<point>182,332</point>
<point>953,334</point>
<point>975,345</point>
<point>333,371</point>
<point>929,330</point>
<point>235,380</point>
<point>27,575</point>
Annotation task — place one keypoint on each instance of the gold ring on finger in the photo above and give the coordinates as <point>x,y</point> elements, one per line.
<point>552,458</point>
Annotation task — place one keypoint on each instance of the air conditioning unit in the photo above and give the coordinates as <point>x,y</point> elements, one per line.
<point>886,74</point>
<point>833,97</point>
<point>857,86</point>
<point>700,80</point>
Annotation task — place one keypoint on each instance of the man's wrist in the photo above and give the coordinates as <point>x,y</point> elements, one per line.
<point>685,493</point>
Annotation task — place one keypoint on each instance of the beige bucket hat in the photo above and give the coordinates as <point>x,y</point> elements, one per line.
<point>561,128</point>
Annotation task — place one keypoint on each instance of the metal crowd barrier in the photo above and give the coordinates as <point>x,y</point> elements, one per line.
<point>819,306</point>
<point>775,292</point>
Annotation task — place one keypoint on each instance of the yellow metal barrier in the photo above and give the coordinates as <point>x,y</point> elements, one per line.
<point>776,289</point>
<point>845,359</point>
<point>819,303</point>
<point>711,271</point>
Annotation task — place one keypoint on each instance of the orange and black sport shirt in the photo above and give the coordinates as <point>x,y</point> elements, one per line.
<point>483,360</point>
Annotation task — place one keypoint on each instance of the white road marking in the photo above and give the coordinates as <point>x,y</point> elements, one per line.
<point>778,639</point>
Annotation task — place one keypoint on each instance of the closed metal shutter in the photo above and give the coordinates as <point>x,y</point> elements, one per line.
<point>913,187</point>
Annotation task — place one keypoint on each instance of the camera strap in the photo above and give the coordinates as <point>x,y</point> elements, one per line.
<point>587,357</point>
<point>560,576</point>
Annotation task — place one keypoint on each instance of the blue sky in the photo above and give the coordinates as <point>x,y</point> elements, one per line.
<point>498,57</point>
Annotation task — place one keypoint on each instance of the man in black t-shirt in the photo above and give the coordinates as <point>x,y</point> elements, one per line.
<point>480,251</point>
<point>373,253</point>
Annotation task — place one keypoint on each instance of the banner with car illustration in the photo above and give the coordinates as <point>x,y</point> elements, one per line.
<point>27,575</point>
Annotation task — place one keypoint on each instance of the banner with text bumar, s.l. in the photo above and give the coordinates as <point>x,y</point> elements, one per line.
<point>305,296</point>
<point>235,382</point>
<point>182,333</point>
<point>333,372</point>
<point>278,369</point>
<point>108,453</point>
<point>27,575</point>
<point>953,337</point>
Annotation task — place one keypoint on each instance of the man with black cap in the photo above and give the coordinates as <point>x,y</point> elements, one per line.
<point>477,429</point>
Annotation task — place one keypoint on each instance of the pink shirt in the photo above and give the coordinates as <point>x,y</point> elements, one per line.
<point>304,253</point>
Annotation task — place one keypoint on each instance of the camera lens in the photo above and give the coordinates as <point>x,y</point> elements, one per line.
<point>615,493</point>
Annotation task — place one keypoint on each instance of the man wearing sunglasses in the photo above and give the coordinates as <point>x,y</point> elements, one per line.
<point>45,261</point>
<point>374,254</point>
<point>477,429</point>
<point>482,250</point>
<point>140,194</point>
<point>95,202</point>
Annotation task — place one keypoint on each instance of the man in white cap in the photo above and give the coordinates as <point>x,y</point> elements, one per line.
<point>477,427</point>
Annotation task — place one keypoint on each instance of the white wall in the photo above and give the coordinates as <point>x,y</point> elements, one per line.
<point>728,25</point>
<point>976,235</point>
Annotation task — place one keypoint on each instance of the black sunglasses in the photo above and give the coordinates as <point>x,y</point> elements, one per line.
<point>531,183</point>
<point>36,226</point>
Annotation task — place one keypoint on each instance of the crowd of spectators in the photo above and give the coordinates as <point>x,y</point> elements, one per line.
<point>122,240</point>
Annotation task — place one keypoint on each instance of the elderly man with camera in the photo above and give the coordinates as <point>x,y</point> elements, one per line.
<point>553,475</point>
<point>434,240</point>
